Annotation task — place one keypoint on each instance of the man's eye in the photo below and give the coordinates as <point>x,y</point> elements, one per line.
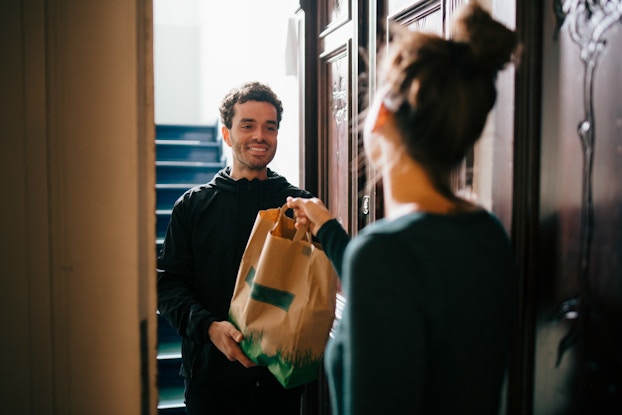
<point>246,127</point>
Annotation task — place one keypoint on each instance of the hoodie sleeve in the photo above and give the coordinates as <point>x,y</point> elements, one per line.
<point>176,301</point>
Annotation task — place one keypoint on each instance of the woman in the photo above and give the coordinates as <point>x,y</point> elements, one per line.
<point>431,289</point>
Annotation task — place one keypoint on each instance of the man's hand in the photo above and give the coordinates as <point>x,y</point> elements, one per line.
<point>226,337</point>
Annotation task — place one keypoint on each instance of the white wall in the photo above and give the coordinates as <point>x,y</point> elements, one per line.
<point>204,48</point>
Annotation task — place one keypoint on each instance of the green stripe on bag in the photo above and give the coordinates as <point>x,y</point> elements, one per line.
<point>278,298</point>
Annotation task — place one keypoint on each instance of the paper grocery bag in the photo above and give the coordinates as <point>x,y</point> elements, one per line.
<point>284,299</point>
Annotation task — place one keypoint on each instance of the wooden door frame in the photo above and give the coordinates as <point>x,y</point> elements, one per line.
<point>308,42</point>
<point>525,202</point>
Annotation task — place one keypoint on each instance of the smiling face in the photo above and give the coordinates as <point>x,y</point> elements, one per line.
<point>252,138</point>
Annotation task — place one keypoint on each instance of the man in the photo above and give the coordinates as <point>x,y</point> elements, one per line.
<point>197,268</point>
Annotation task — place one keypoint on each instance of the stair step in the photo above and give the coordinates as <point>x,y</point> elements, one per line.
<point>167,194</point>
<point>163,217</point>
<point>166,333</point>
<point>188,150</point>
<point>168,373</point>
<point>172,411</point>
<point>186,132</point>
<point>169,363</point>
<point>171,399</point>
<point>168,172</point>
<point>169,350</point>
<point>186,156</point>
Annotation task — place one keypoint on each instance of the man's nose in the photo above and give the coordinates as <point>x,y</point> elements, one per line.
<point>258,134</point>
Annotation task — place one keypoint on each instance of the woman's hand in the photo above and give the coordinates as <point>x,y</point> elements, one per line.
<point>311,212</point>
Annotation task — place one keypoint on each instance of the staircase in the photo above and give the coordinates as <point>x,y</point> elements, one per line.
<point>185,157</point>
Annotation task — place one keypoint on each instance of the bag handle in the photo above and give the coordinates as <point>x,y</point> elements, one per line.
<point>301,231</point>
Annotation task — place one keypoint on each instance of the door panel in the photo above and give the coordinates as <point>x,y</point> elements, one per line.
<point>579,277</point>
<point>421,16</point>
<point>336,151</point>
<point>335,45</point>
<point>340,38</point>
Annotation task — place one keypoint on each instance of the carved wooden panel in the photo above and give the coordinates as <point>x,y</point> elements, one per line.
<point>336,154</point>
<point>334,13</point>
<point>579,270</point>
<point>422,16</point>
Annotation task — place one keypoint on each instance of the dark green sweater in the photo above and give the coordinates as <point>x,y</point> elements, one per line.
<point>430,304</point>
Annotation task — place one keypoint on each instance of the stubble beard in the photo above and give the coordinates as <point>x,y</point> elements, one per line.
<point>247,163</point>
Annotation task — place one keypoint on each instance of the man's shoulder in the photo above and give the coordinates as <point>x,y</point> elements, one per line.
<point>198,194</point>
<point>280,184</point>
<point>298,192</point>
<point>200,190</point>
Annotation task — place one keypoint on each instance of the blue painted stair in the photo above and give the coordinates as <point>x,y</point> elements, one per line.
<point>186,155</point>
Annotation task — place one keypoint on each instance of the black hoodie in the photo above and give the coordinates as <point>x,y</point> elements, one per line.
<point>198,265</point>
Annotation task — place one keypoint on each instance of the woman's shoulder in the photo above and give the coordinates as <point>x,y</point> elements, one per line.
<point>421,227</point>
<point>382,237</point>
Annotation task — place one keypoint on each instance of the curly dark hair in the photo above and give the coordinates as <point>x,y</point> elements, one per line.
<point>249,91</point>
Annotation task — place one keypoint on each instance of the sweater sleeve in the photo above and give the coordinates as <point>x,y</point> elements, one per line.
<point>334,240</point>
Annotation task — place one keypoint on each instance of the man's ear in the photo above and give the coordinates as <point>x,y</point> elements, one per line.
<point>381,117</point>
<point>225,135</point>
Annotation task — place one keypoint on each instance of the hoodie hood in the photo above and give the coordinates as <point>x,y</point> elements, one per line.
<point>223,181</point>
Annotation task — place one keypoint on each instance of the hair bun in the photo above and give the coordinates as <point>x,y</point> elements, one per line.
<point>493,45</point>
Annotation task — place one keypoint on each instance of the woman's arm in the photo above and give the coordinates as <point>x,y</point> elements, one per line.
<point>322,224</point>
<point>334,240</point>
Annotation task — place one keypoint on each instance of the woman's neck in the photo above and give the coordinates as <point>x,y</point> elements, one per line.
<point>408,188</point>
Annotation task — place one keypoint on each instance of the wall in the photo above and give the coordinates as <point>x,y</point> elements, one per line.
<point>77,295</point>
<point>202,49</point>
<point>578,339</point>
